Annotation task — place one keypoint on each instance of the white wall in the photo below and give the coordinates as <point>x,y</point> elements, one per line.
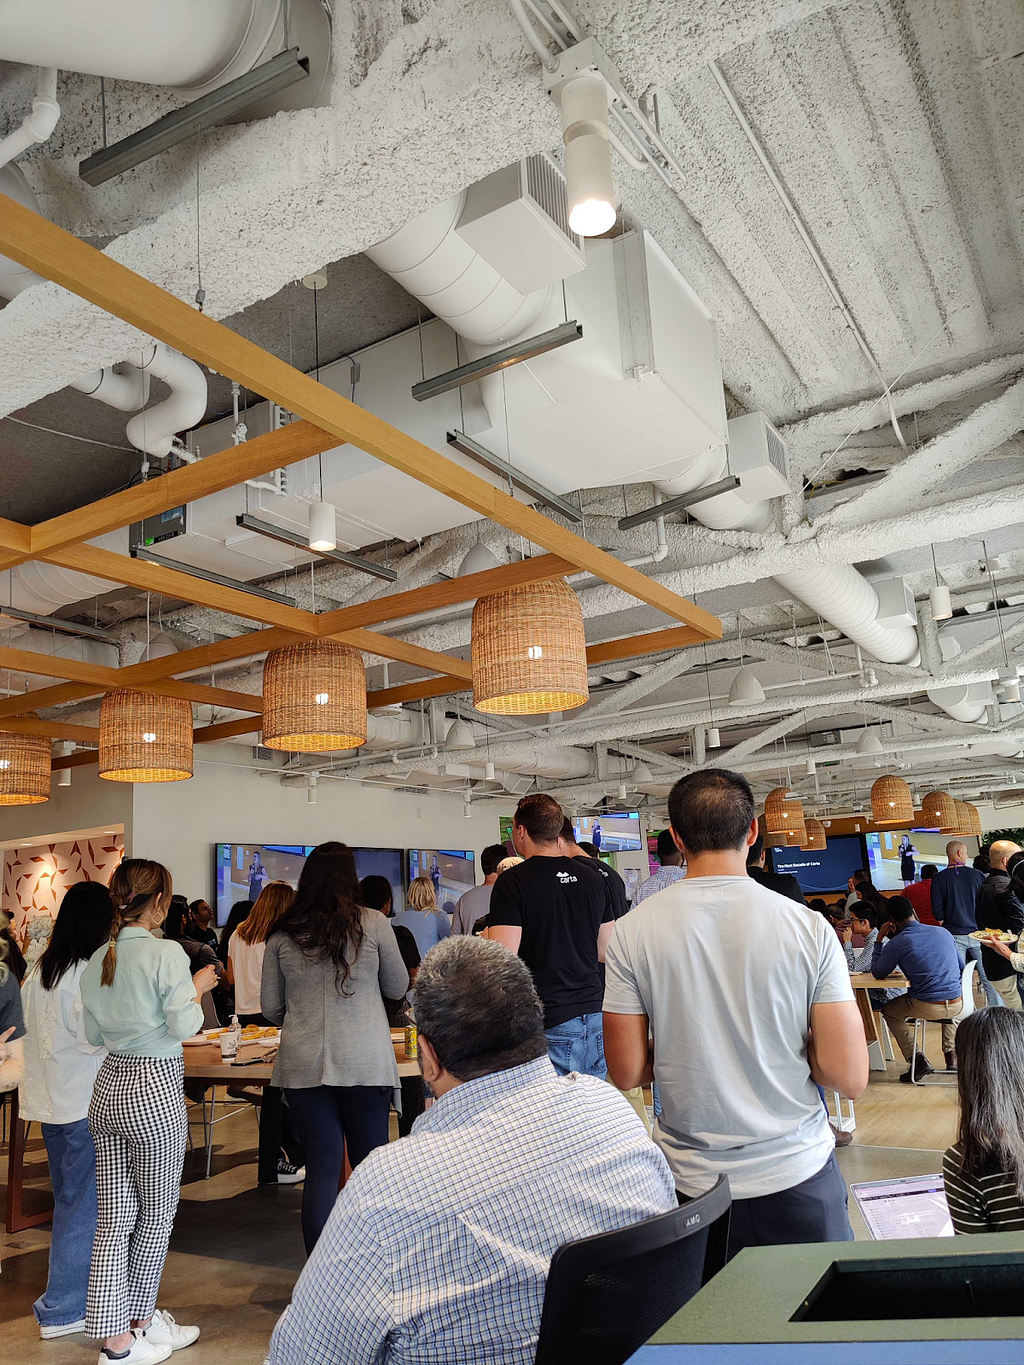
<point>91,801</point>
<point>1007,817</point>
<point>178,823</point>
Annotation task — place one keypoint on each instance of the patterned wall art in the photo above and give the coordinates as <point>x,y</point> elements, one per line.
<point>36,877</point>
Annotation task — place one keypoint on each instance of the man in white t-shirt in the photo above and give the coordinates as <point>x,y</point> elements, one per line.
<point>747,999</point>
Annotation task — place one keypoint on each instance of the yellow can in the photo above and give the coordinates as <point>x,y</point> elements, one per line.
<point>412,1041</point>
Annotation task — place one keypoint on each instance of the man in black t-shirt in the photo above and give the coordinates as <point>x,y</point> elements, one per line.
<point>557,915</point>
<point>615,883</point>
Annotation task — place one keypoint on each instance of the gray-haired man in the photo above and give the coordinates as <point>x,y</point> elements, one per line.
<point>438,1246</point>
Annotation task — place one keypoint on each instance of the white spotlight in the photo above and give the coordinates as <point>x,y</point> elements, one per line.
<point>745,689</point>
<point>621,794</point>
<point>589,184</point>
<point>811,768</point>
<point>714,739</point>
<point>64,774</point>
<point>489,771</point>
<point>942,606</point>
<point>322,535</point>
<point>311,788</point>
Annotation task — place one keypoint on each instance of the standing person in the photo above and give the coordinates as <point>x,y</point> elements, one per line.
<point>247,946</point>
<point>927,958</point>
<point>475,903</point>
<point>997,906</point>
<point>953,893</point>
<point>201,915</point>
<point>55,1094</point>
<point>616,886</point>
<point>14,957</point>
<point>12,1027</point>
<point>435,876</point>
<point>257,876</point>
<point>671,870</point>
<point>907,851</point>
<point>558,917</point>
<point>425,922</point>
<point>376,894</point>
<point>326,970</point>
<point>983,1171</point>
<point>919,894</point>
<point>236,916</point>
<point>782,882</point>
<point>598,834</point>
<point>749,1003</point>
<point>138,1002</point>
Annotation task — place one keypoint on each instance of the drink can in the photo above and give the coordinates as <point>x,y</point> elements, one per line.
<point>412,1041</point>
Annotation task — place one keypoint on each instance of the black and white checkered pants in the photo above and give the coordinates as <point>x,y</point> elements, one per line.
<point>139,1126</point>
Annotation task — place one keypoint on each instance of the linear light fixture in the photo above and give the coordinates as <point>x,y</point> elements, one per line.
<point>663,509</point>
<point>526,483</point>
<point>54,623</point>
<point>498,360</point>
<point>206,112</point>
<point>140,552</point>
<point>266,528</point>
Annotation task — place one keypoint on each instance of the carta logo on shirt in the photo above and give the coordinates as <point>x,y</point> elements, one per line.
<point>565,877</point>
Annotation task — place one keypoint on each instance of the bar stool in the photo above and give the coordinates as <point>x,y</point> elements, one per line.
<point>967,993</point>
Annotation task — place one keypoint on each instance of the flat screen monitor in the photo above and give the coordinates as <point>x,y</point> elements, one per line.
<point>892,853</point>
<point>611,833</point>
<point>452,870</point>
<point>243,870</point>
<point>820,871</point>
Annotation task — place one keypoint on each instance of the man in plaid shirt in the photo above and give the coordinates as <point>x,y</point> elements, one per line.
<point>438,1248</point>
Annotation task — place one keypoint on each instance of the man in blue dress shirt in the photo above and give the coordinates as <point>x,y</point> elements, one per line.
<point>927,957</point>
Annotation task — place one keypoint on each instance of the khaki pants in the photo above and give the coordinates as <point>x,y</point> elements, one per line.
<point>1007,988</point>
<point>896,1014</point>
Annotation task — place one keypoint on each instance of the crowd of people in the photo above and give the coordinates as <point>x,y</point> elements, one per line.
<point>543,998</point>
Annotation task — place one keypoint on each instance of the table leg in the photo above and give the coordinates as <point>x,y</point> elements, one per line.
<point>867,1014</point>
<point>16,1220</point>
<point>270,1135</point>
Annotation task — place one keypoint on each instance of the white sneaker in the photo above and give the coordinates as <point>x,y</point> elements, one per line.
<point>64,1329</point>
<point>164,1331</point>
<point>141,1352</point>
<point>287,1174</point>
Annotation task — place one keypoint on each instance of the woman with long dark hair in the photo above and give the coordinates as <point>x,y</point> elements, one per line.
<point>326,971</point>
<point>237,915</point>
<point>55,1093</point>
<point>984,1170</point>
<point>139,1002</point>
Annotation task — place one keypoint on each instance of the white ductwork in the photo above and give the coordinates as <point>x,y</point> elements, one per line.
<point>842,595</point>
<point>967,703</point>
<point>37,125</point>
<point>153,429</point>
<point>43,588</point>
<point>126,392</point>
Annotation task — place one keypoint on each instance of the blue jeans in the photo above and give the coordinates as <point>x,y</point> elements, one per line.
<point>72,1159</point>
<point>967,947</point>
<point>578,1045</point>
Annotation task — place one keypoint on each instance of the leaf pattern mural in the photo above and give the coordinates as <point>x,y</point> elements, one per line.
<point>36,878</point>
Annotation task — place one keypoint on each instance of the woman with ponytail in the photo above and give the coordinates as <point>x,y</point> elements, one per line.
<point>139,1002</point>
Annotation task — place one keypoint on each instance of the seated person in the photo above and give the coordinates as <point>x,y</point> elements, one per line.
<point>864,921</point>
<point>984,1170</point>
<point>438,1247</point>
<point>926,955</point>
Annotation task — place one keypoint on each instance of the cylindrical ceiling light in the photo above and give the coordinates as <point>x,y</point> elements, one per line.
<point>941,603</point>
<point>314,697</point>
<point>24,769</point>
<point>939,812</point>
<point>67,748</point>
<point>745,689</point>
<point>322,533</point>
<point>529,652</point>
<point>815,839</point>
<point>783,812</point>
<point>145,738</point>
<point>713,739</point>
<point>891,802</point>
<point>589,184</point>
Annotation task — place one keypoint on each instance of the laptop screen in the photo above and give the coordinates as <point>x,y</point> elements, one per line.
<point>914,1206</point>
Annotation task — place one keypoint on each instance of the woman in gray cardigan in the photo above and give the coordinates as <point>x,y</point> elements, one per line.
<point>326,971</point>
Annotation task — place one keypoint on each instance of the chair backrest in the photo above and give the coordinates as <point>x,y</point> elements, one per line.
<point>967,991</point>
<point>606,1295</point>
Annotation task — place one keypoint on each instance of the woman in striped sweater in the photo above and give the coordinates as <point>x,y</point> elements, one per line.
<point>984,1170</point>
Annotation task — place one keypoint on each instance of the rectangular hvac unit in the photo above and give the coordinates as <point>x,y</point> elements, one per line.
<point>896,606</point>
<point>757,455</point>
<point>518,220</point>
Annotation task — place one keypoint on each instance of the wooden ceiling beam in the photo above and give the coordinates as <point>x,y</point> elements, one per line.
<point>414,691</point>
<point>634,646</point>
<point>405,653</point>
<point>51,729</point>
<point>59,256</point>
<point>47,696</point>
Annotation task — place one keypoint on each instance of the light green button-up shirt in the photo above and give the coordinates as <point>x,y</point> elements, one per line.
<point>151,1005</point>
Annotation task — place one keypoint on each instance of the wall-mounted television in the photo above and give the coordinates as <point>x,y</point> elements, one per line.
<point>244,869</point>
<point>452,870</point>
<point>612,833</point>
<point>821,871</point>
<point>893,851</point>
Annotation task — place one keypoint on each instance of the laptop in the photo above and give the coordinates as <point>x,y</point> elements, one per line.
<point>912,1206</point>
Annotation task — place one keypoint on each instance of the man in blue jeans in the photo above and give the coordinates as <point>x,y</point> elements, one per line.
<point>954,891</point>
<point>556,913</point>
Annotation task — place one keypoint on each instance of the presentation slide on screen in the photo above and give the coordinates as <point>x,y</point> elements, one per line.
<point>243,870</point>
<point>610,833</point>
<point>453,872</point>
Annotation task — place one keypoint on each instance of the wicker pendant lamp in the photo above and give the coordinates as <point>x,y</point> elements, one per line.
<point>24,769</point>
<point>145,738</point>
<point>975,818</point>
<point>793,838</point>
<point>314,697</point>
<point>783,812</point>
<point>939,811</point>
<point>891,801</point>
<point>963,817</point>
<point>529,652</point>
<point>815,840</point>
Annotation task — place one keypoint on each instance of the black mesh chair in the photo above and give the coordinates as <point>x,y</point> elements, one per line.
<point>606,1295</point>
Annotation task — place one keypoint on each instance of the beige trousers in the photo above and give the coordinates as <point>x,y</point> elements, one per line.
<point>898,1013</point>
<point>1007,988</point>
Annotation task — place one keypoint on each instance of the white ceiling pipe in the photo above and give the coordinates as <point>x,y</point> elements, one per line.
<point>958,703</point>
<point>126,392</point>
<point>43,588</point>
<point>39,124</point>
<point>153,429</point>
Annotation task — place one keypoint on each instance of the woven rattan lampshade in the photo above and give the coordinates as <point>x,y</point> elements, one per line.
<point>793,838</point>
<point>24,769</point>
<point>815,839</point>
<point>972,811</point>
<point>529,651</point>
<point>939,811</point>
<point>314,697</point>
<point>145,738</point>
<point>891,801</point>
<point>963,818</point>
<point>783,812</point>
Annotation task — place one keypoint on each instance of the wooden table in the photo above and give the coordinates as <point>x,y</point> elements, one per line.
<point>862,982</point>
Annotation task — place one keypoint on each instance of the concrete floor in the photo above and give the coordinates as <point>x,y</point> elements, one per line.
<point>237,1247</point>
